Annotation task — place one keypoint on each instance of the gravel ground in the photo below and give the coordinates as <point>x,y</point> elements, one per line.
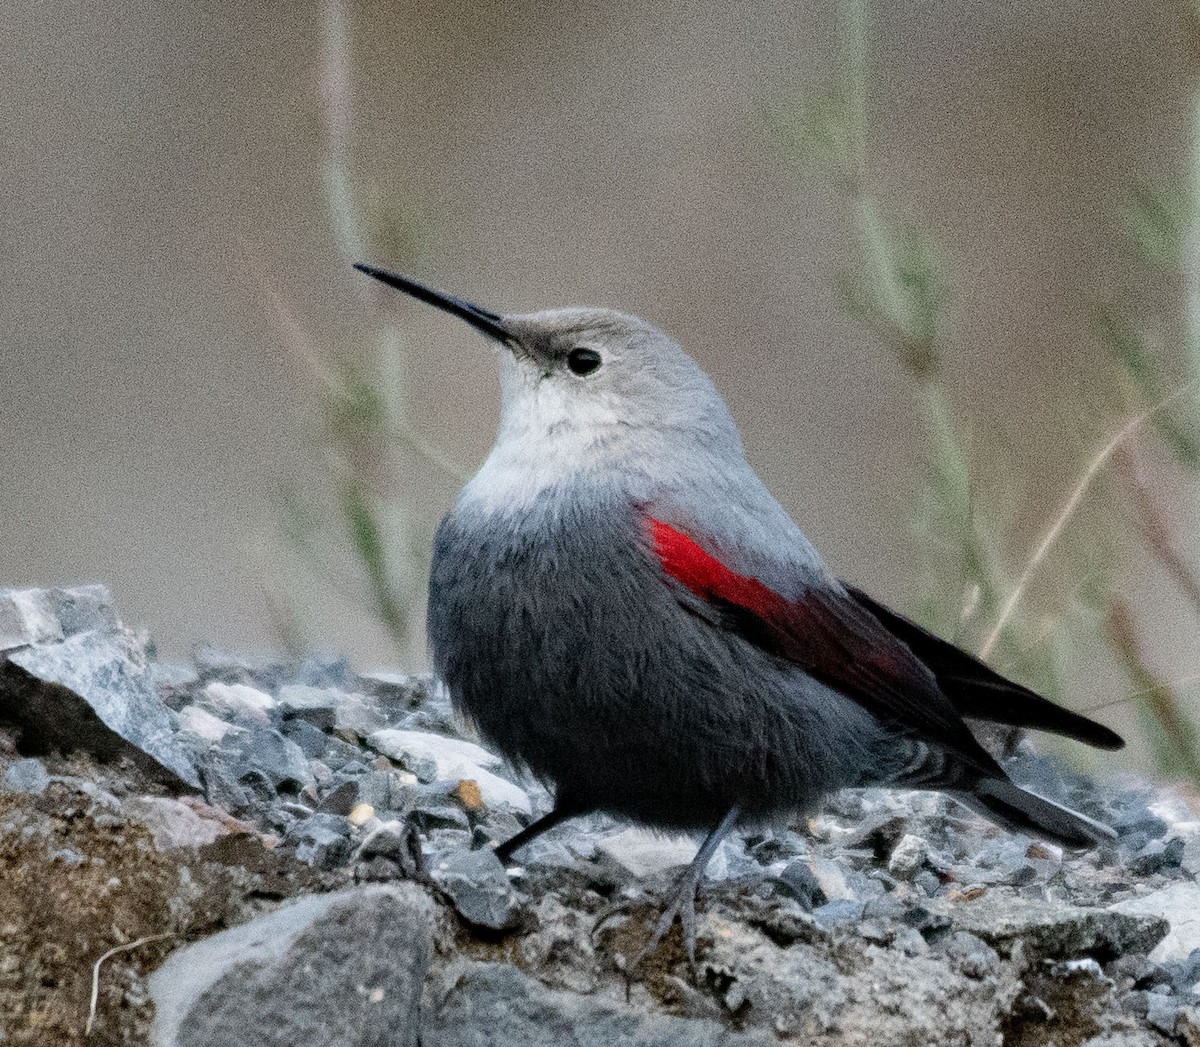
<point>301,854</point>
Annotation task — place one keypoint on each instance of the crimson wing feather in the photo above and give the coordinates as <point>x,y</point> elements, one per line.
<point>828,634</point>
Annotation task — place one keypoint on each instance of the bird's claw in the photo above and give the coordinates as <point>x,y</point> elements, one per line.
<point>683,906</point>
<point>683,898</point>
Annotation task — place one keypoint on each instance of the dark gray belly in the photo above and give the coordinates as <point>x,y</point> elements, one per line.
<point>560,639</point>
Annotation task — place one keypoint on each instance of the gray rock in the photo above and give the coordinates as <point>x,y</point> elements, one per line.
<point>324,671</point>
<point>1050,931</point>
<point>220,782</point>
<point>357,716</point>
<point>316,705</point>
<point>496,1005</point>
<point>321,839</point>
<point>479,888</point>
<point>27,617</point>
<point>395,688</point>
<point>1124,1038</point>
<point>408,701</point>
<point>174,824</point>
<point>281,761</point>
<point>342,799</point>
<point>1136,824</point>
<point>806,992</point>
<point>37,616</point>
<point>644,852</point>
<point>84,607</point>
<point>908,858</point>
<point>238,702</point>
<point>797,881</point>
<point>1190,859</point>
<point>1158,856</point>
<point>312,740</point>
<point>1162,1013</point>
<point>334,970</point>
<point>436,757</point>
<point>175,682</point>
<point>392,851</point>
<point>1179,906</point>
<point>970,954</point>
<point>928,882</point>
<point>1183,974</point>
<point>201,729</point>
<point>342,756</point>
<point>437,812</point>
<point>388,790</point>
<point>838,884</point>
<point>839,912</point>
<point>27,776</point>
<point>93,692</point>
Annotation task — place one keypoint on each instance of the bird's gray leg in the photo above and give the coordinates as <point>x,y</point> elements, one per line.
<point>534,829</point>
<point>683,899</point>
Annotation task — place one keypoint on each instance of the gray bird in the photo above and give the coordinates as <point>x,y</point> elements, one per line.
<point>620,606</point>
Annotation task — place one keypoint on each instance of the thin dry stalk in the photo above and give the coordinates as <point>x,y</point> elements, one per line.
<point>1060,522</point>
<point>1153,524</point>
<point>1133,696</point>
<point>91,1018</point>
<point>1175,741</point>
<point>291,330</point>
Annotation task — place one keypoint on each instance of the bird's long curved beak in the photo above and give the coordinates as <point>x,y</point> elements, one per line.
<point>489,323</point>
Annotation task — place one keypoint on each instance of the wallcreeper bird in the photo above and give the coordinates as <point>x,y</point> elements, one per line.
<point>620,606</point>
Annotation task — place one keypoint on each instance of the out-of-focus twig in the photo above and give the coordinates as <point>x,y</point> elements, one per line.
<point>337,98</point>
<point>1153,524</point>
<point>1170,731</point>
<point>91,1018</point>
<point>1060,522</point>
<point>292,334</point>
<point>1174,686</point>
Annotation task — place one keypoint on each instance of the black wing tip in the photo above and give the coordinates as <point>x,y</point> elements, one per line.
<point>963,676</point>
<point>1104,738</point>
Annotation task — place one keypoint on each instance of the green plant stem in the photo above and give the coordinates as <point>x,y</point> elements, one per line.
<point>1059,523</point>
<point>369,544</point>
<point>854,20</point>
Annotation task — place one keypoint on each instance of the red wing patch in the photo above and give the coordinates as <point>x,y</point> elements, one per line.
<point>710,579</point>
<point>825,633</point>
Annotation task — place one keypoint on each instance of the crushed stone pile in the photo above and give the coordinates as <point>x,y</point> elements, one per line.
<point>233,853</point>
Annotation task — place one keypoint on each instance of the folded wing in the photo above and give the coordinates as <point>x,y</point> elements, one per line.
<point>898,671</point>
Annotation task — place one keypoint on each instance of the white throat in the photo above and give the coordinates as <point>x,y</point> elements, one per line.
<point>548,433</point>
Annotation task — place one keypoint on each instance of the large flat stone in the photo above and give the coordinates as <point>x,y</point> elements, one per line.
<point>451,760</point>
<point>1179,906</point>
<point>1053,931</point>
<point>496,1005</point>
<point>333,970</point>
<point>93,692</point>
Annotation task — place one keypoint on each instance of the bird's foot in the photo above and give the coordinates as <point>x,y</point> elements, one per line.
<point>682,905</point>
<point>682,902</point>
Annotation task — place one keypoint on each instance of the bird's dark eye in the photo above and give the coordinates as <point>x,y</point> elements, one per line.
<point>583,361</point>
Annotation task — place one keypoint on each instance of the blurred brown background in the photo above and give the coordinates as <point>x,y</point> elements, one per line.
<point>165,187</point>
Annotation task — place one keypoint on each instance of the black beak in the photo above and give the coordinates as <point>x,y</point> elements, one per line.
<point>489,323</point>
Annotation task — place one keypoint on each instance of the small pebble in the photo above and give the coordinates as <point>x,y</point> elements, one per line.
<point>908,858</point>
<point>361,814</point>
<point>468,794</point>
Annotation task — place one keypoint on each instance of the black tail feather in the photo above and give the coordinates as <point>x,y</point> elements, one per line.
<point>978,692</point>
<point>1019,810</point>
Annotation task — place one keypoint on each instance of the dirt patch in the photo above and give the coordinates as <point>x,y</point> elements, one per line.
<point>77,879</point>
<point>1053,1008</point>
<point>74,883</point>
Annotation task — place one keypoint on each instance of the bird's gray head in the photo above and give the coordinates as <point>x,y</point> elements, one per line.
<point>588,384</point>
